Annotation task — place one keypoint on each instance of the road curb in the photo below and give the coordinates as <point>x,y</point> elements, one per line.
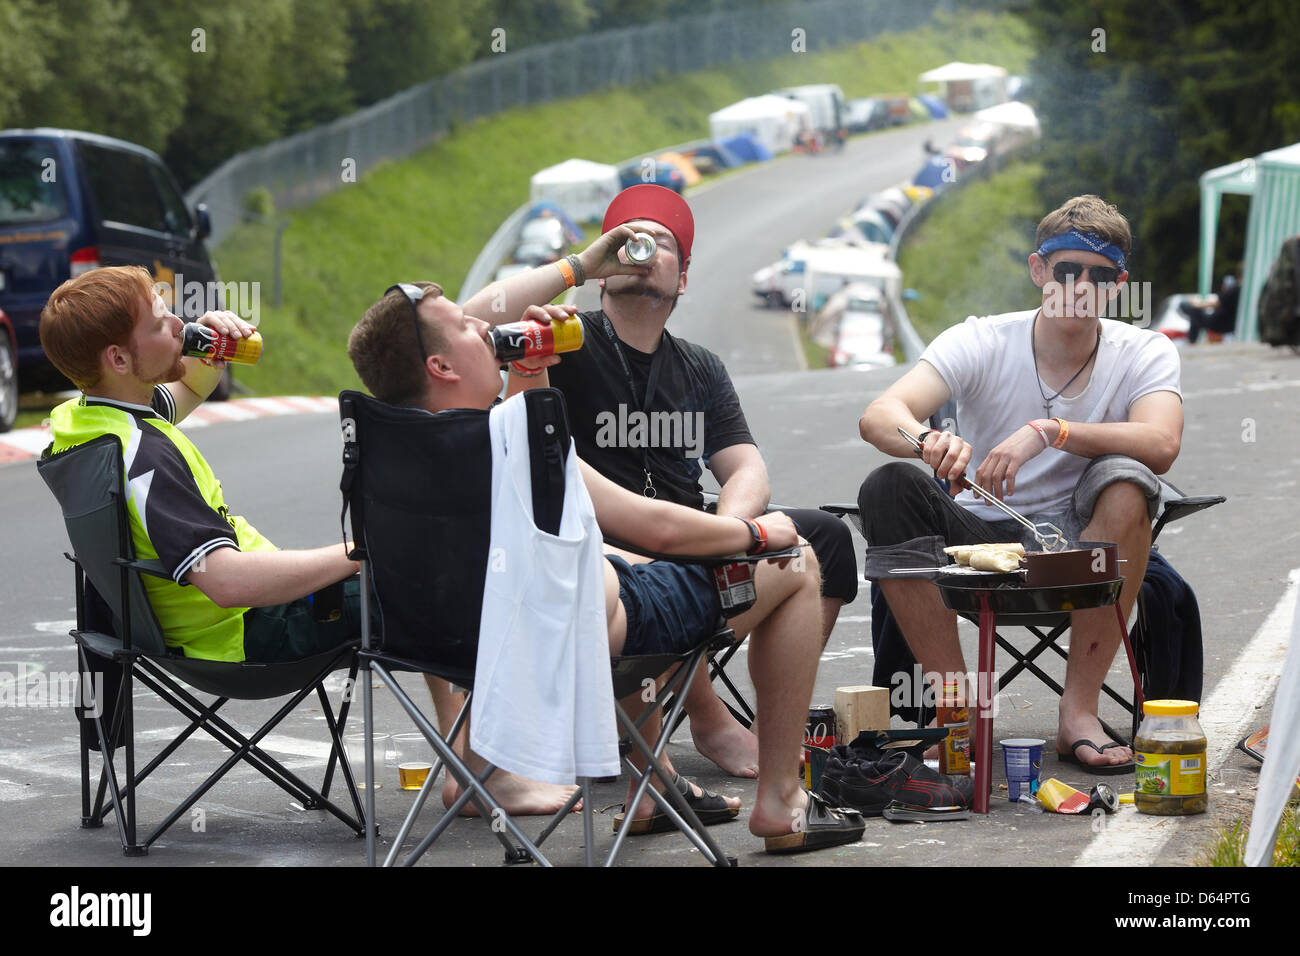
<point>24,444</point>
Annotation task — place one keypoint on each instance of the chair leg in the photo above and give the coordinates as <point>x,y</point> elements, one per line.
<point>472,786</point>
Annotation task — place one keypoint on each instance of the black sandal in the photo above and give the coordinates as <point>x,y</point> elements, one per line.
<point>823,826</point>
<point>710,807</point>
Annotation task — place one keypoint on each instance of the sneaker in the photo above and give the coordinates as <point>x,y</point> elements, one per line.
<point>869,786</point>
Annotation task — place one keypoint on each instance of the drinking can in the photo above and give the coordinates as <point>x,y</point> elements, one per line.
<point>203,342</point>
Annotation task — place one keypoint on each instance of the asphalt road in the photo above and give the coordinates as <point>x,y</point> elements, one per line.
<point>282,473</point>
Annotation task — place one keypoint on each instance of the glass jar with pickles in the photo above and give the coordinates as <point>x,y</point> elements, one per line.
<point>1169,758</point>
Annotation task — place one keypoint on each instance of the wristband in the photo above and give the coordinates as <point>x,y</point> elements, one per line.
<point>1065,432</point>
<point>920,439</point>
<point>523,371</point>
<point>579,273</point>
<point>759,535</point>
<point>1041,433</point>
<point>566,270</point>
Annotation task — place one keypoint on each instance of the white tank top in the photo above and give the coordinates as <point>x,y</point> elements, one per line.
<point>543,695</point>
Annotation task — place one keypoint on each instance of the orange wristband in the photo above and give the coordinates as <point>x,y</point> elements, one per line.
<point>1065,432</point>
<point>566,270</point>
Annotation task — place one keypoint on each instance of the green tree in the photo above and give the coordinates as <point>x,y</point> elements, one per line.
<point>1137,98</point>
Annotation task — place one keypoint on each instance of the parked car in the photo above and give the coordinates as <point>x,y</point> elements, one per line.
<point>866,114</point>
<point>864,337</point>
<point>1170,321</point>
<point>73,201</point>
<point>660,172</point>
<point>8,374</point>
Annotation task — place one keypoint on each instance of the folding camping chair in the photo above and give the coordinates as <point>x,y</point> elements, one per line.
<point>418,488</point>
<point>117,635</point>
<point>1048,629</point>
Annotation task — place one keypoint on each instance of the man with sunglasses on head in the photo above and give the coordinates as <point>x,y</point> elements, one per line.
<point>1067,417</point>
<point>631,367</point>
<point>416,348</point>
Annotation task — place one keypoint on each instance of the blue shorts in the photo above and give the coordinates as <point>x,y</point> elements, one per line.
<point>670,607</point>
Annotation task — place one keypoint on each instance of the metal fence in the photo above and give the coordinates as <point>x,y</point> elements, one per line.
<point>308,165</point>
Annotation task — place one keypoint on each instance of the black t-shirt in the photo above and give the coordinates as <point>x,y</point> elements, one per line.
<point>693,413</point>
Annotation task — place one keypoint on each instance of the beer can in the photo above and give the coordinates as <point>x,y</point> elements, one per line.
<point>735,583</point>
<point>819,732</point>
<point>530,339</point>
<point>199,341</point>
<point>641,248</point>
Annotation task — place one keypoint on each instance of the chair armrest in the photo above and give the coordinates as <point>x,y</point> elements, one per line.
<point>1176,508</point>
<point>153,567</point>
<point>850,512</point>
<point>708,561</point>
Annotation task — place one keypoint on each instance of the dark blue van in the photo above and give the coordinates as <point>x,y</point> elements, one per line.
<point>71,202</point>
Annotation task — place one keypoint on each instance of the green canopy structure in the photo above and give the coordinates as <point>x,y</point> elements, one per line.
<point>1272,180</point>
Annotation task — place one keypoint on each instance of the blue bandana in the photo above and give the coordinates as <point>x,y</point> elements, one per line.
<point>1085,242</point>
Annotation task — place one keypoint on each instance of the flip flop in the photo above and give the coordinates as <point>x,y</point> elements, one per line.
<point>824,826</point>
<point>1104,770</point>
<point>710,807</point>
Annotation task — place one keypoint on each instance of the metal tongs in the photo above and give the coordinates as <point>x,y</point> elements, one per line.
<point>1050,538</point>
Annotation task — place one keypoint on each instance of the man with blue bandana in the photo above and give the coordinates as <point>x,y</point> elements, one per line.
<point>1068,418</point>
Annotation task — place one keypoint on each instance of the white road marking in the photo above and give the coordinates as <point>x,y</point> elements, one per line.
<point>1134,840</point>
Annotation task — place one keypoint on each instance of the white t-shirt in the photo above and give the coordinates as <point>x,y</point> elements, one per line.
<point>988,365</point>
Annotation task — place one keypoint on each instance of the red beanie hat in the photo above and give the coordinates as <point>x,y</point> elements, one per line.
<point>658,204</point>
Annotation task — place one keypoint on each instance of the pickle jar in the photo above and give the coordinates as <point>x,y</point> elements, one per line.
<point>1169,759</point>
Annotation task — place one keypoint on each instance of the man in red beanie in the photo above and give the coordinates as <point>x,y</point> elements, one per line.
<point>648,410</point>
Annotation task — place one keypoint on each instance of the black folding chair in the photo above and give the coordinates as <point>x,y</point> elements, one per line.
<point>119,641</point>
<point>418,487</point>
<point>1048,630</point>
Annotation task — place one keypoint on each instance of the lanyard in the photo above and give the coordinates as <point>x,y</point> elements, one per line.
<point>652,383</point>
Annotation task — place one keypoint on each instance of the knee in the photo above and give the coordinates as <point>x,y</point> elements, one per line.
<point>1122,504</point>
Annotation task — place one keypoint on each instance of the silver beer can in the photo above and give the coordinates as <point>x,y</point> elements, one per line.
<point>640,248</point>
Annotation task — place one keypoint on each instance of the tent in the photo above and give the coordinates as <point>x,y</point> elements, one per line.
<point>746,148</point>
<point>938,109</point>
<point>937,173</point>
<point>918,109</point>
<point>968,86</point>
<point>685,165</point>
<point>1272,180</point>
<point>583,188</point>
<point>774,121</point>
<point>1282,761</point>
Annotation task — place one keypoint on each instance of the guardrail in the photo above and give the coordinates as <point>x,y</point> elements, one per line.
<point>310,164</point>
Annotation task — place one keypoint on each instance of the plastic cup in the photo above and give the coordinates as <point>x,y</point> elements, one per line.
<point>414,760</point>
<point>355,745</point>
<point>1023,759</point>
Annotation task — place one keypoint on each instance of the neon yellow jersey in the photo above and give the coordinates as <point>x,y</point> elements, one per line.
<point>177,515</point>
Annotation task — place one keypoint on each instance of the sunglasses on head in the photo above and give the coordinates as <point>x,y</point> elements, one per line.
<point>1068,270</point>
<point>413,295</point>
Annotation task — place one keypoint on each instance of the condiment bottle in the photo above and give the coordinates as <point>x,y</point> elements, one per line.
<point>954,752</point>
<point>1169,759</point>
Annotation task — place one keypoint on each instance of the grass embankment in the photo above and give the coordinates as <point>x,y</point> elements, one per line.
<point>428,216</point>
<point>969,257</point>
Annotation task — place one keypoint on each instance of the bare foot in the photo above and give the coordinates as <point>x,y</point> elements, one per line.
<point>1088,727</point>
<point>518,796</point>
<point>731,747</point>
<point>779,817</point>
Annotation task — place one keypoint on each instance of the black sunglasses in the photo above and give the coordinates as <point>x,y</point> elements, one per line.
<point>413,295</point>
<point>1067,270</point>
